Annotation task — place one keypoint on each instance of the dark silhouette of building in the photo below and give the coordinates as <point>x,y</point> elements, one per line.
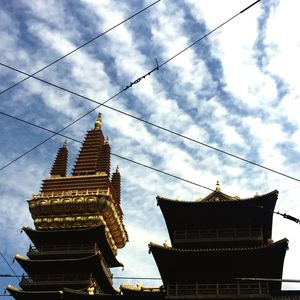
<point>217,243</point>
<point>221,246</point>
<point>78,226</point>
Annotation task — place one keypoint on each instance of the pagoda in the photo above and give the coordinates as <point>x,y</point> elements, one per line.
<point>78,226</point>
<point>221,247</point>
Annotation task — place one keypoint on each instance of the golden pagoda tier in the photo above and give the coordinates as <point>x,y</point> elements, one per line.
<point>78,226</point>
<point>85,199</point>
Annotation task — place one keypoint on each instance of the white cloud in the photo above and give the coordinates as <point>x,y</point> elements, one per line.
<point>235,107</point>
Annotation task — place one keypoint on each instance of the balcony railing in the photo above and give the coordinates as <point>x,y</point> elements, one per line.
<point>286,297</point>
<point>218,234</point>
<point>39,279</point>
<point>219,290</point>
<point>91,247</point>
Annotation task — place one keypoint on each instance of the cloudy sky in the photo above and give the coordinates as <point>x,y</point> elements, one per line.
<point>236,90</point>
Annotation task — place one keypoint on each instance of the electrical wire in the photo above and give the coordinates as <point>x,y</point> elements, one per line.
<point>114,154</point>
<point>8,264</point>
<point>140,119</point>
<point>114,277</point>
<point>79,47</point>
<point>124,89</point>
<point>143,121</point>
<point>159,278</point>
<point>284,215</point>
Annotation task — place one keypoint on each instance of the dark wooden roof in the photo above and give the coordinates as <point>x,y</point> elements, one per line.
<point>212,265</point>
<point>84,235</point>
<point>256,211</point>
<point>70,294</point>
<point>19,294</point>
<point>91,264</point>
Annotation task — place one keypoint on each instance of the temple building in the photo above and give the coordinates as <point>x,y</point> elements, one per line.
<point>78,226</point>
<point>222,248</point>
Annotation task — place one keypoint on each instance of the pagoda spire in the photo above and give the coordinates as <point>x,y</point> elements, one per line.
<point>104,159</point>
<point>59,167</point>
<point>88,160</point>
<point>98,123</point>
<point>218,187</point>
<point>116,183</point>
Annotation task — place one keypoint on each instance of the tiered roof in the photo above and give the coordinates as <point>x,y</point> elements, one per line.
<point>217,264</point>
<point>89,158</point>
<point>217,240</point>
<point>60,164</point>
<point>81,236</point>
<point>88,197</point>
<point>86,265</point>
<point>79,225</point>
<point>219,210</point>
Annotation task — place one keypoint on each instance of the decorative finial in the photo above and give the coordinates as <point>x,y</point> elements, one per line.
<point>65,144</point>
<point>166,244</point>
<point>218,187</point>
<point>98,122</point>
<point>91,289</point>
<point>106,142</point>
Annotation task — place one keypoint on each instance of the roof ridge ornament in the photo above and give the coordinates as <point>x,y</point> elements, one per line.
<point>98,122</point>
<point>218,187</point>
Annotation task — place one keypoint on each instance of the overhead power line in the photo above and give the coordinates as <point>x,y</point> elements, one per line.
<point>114,277</point>
<point>78,48</point>
<point>284,215</point>
<point>114,154</point>
<point>10,267</point>
<point>140,119</point>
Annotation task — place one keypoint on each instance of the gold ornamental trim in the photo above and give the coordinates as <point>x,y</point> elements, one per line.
<point>76,222</point>
<point>76,211</point>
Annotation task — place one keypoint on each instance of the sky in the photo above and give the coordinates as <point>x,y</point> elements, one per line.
<point>236,90</point>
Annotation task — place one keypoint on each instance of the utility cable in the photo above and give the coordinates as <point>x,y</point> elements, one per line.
<point>124,89</point>
<point>114,154</point>
<point>8,264</point>
<point>114,277</point>
<point>286,216</point>
<point>147,122</point>
<point>79,47</point>
<point>58,132</point>
<point>150,123</point>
